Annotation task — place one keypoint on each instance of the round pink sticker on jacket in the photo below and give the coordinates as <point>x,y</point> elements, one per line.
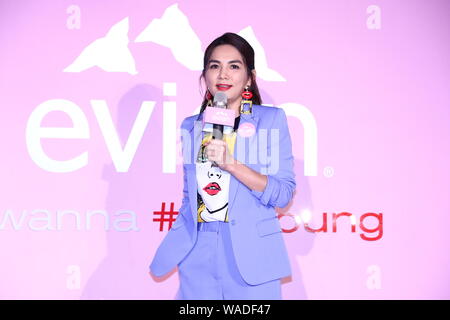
<point>246,129</point>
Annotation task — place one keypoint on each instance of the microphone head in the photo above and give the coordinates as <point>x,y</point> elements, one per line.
<point>220,100</point>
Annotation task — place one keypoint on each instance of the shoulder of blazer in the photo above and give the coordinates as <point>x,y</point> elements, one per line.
<point>268,117</point>
<point>264,111</point>
<point>188,122</point>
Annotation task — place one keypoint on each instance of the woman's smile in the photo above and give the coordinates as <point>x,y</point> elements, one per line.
<point>223,87</point>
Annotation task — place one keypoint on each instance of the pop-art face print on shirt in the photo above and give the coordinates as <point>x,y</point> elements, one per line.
<point>213,184</point>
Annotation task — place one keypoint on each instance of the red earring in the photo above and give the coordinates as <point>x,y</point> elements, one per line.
<point>246,102</point>
<point>247,95</point>
<point>209,98</point>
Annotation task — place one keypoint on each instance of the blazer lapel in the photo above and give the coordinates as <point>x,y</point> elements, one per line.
<point>241,153</point>
<point>196,139</point>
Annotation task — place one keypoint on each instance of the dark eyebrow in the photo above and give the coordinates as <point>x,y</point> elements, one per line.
<point>232,61</point>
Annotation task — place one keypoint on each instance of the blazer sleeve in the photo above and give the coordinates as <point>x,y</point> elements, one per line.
<point>185,205</point>
<point>281,184</point>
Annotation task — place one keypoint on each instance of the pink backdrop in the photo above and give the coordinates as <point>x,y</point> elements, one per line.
<point>366,88</point>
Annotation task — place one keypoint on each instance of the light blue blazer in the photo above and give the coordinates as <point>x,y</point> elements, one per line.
<point>257,240</point>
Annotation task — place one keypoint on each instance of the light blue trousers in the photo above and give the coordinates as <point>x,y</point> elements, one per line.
<point>209,270</point>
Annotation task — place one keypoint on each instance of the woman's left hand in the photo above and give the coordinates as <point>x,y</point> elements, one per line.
<point>217,150</point>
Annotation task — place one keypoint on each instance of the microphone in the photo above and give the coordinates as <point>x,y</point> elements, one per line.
<point>217,120</point>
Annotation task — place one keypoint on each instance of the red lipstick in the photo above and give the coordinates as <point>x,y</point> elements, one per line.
<point>223,87</point>
<point>212,188</point>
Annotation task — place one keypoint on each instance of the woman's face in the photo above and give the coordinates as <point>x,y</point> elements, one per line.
<point>226,66</point>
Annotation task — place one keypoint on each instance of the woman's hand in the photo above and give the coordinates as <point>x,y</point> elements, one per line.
<point>217,151</point>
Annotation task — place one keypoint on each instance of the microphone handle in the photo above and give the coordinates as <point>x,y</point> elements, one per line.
<point>217,131</point>
<point>217,134</point>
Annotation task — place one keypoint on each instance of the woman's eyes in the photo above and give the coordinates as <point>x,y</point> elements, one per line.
<point>233,66</point>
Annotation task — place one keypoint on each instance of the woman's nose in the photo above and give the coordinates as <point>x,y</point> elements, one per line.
<point>223,73</point>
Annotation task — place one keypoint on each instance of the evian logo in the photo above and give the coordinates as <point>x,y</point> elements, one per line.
<point>111,54</point>
<point>219,116</point>
<point>222,116</point>
<point>246,130</point>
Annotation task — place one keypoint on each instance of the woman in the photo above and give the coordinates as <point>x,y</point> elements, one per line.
<point>227,240</point>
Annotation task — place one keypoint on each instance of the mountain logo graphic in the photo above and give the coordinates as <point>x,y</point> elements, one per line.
<point>173,30</point>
